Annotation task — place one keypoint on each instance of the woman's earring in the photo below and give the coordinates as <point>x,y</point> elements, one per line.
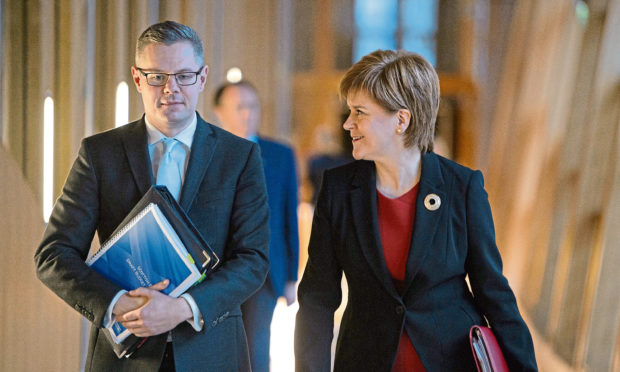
<point>399,131</point>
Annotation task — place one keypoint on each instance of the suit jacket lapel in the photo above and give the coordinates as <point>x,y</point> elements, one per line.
<point>203,148</point>
<point>364,208</point>
<point>266,161</point>
<point>136,148</point>
<point>426,221</point>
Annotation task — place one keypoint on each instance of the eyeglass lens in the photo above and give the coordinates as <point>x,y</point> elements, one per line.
<point>183,78</point>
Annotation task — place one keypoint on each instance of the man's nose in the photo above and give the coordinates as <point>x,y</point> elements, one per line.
<point>171,85</point>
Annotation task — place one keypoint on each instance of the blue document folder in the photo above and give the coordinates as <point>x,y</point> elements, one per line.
<point>156,222</point>
<point>146,251</point>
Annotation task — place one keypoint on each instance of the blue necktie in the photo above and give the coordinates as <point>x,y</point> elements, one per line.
<point>170,171</point>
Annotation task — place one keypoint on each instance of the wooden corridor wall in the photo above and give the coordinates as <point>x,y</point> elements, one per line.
<point>554,176</point>
<point>38,331</point>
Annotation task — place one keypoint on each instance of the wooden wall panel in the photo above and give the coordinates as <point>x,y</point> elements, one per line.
<point>567,176</point>
<point>561,301</point>
<point>553,170</point>
<point>142,14</point>
<point>563,81</point>
<point>507,98</point>
<point>200,15</point>
<point>114,56</point>
<point>515,176</point>
<point>602,323</point>
<point>317,109</point>
<point>39,331</point>
<point>13,19</point>
<point>40,64</point>
<point>70,84</point>
<point>588,253</point>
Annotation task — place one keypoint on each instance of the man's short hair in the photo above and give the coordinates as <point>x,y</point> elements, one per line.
<point>170,32</point>
<point>217,98</point>
<point>399,80</point>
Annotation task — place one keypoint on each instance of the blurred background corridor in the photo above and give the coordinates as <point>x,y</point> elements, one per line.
<point>530,95</point>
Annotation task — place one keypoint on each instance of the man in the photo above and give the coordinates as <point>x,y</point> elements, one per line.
<point>221,188</point>
<point>238,109</point>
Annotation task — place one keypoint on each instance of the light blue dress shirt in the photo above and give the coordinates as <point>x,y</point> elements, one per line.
<point>156,151</point>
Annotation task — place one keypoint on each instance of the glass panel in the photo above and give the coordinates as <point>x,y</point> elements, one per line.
<point>376,23</point>
<point>419,25</point>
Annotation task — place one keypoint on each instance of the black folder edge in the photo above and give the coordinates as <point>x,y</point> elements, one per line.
<point>205,259</point>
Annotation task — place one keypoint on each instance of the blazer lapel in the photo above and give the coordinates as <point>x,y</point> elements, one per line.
<point>262,153</point>
<point>426,221</point>
<point>203,148</point>
<point>364,208</point>
<point>136,148</point>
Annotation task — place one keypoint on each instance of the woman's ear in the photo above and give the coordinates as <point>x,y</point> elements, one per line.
<point>404,119</point>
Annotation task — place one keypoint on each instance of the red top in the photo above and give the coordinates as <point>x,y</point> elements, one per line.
<point>396,221</point>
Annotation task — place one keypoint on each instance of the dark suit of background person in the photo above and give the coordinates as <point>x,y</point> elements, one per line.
<point>224,195</point>
<point>433,304</point>
<point>238,109</point>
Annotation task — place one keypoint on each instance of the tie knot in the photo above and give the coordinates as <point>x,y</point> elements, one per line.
<point>169,144</point>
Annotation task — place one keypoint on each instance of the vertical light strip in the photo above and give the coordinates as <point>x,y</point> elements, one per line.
<point>122,104</point>
<point>48,157</point>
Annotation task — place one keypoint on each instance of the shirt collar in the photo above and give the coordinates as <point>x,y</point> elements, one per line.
<point>186,136</point>
<point>253,138</point>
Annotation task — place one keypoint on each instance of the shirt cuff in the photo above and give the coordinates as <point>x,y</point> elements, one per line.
<point>197,323</point>
<point>109,319</point>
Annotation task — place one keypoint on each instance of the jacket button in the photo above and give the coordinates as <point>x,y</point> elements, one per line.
<point>400,310</point>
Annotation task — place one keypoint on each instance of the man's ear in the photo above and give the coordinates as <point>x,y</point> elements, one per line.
<point>203,77</point>
<point>135,73</point>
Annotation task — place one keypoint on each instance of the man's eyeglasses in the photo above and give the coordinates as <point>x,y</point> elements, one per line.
<point>159,79</point>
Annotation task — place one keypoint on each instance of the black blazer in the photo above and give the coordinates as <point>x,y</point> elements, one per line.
<point>224,195</point>
<point>436,308</point>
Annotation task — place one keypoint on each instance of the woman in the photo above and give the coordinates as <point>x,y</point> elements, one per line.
<point>406,227</point>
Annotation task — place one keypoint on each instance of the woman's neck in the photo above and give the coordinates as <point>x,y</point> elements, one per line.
<point>396,176</point>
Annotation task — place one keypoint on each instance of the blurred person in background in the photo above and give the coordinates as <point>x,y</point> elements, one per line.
<point>237,107</point>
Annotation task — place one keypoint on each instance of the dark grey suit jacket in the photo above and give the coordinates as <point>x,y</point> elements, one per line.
<point>436,308</point>
<point>224,195</point>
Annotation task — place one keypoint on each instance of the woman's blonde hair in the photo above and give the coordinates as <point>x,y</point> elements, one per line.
<point>399,80</point>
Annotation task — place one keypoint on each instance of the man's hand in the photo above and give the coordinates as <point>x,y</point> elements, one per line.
<point>128,303</point>
<point>290,290</point>
<point>158,315</point>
